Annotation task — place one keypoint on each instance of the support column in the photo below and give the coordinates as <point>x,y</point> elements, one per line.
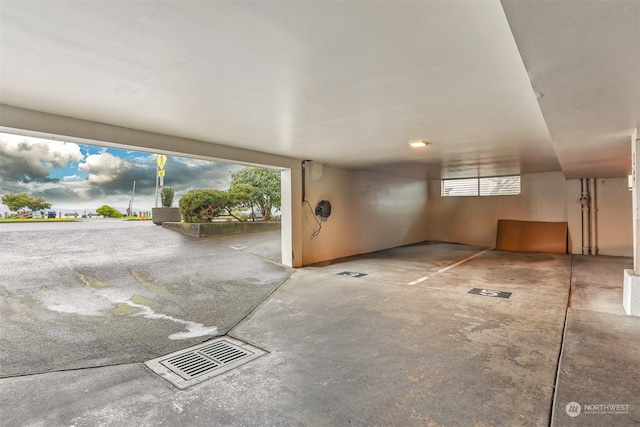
<point>631,290</point>
<point>291,219</point>
<point>635,152</point>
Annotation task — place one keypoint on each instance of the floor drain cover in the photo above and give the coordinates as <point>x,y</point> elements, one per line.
<point>193,365</point>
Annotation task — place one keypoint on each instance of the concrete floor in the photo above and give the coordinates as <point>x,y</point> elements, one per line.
<point>107,292</point>
<point>406,344</point>
<point>600,362</point>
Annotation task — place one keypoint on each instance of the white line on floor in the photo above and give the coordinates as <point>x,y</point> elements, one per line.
<point>449,267</point>
<point>415,282</point>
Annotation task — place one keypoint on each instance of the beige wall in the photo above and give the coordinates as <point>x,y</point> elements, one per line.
<point>544,197</point>
<point>474,220</point>
<point>614,217</point>
<point>370,212</point>
<point>574,216</point>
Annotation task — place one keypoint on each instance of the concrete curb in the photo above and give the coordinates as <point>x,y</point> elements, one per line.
<point>221,228</point>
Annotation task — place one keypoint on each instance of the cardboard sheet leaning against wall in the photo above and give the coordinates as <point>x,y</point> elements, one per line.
<point>532,236</point>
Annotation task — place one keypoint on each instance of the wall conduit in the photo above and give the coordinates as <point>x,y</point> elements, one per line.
<point>584,203</point>
<point>593,241</point>
<point>589,216</point>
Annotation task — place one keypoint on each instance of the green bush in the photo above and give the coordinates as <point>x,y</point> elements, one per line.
<point>203,205</point>
<point>166,195</point>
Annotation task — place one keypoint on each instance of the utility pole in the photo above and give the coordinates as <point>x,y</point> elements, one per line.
<point>160,172</point>
<point>157,169</point>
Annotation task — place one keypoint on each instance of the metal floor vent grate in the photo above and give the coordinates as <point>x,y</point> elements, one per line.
<point>193,365</point>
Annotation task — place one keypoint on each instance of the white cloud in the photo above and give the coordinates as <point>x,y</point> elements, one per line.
<point>105,177</point>
<point>40,152</point>
<point>104,167</point>
<point>193,163</point>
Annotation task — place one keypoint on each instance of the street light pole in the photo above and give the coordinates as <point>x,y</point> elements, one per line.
<point>157,169</point>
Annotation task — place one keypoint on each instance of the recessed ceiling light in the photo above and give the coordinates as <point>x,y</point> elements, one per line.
<point>420,143</point>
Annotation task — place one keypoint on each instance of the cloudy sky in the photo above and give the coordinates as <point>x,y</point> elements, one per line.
<point>77,176</point>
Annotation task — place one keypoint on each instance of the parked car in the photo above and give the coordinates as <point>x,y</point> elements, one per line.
<point>51,214</point>
<point>256,214</point>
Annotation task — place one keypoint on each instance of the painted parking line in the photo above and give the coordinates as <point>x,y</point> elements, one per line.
<point>449,267</point>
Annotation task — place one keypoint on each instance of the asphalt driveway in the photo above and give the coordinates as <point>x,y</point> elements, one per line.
<point>106,292</point>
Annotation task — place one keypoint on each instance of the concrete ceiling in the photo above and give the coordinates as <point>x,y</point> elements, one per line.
<point>496,88</point>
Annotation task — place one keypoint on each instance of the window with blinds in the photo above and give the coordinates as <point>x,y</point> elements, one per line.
<point>493,186</point>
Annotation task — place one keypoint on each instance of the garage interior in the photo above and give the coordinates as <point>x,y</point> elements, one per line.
<point>332,93</point>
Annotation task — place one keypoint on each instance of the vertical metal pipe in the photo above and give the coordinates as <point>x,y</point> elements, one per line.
<point>593,225</point>
<point>304,180</point>
<point>584,203</point>
<point>581,215</point>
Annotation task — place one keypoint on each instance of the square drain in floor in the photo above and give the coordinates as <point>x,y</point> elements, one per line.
<point>196,364</point>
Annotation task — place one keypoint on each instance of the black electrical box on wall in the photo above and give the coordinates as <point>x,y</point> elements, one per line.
<point>323,210</point>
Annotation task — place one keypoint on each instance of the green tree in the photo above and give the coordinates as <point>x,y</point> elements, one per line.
<point>17,202</point>
<point>108,212</point>
<point>266,184</point>
<point>240,195</point>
